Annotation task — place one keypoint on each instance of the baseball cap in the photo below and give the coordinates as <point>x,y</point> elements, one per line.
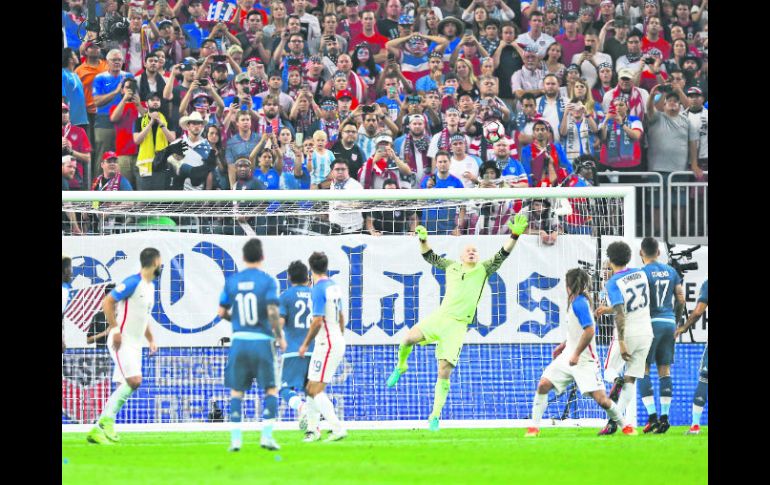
<point>457,137</point>
<point>571,17</point>
<point>108,155</point>
<point>187,67</point>
<point>625,73</point>
<point>694,91</point>
<point>573,67</point>
<point>606,2</point>
<point>620,22</point>
<point>383,138</point>
<point>253,59</point>
<point>345,93</point>
<point>531,48</point>
<point>164,23</point>
<point>329,104</point>
<point>241,77</point>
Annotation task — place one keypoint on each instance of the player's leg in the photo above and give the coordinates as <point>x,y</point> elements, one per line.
<point>701,393</point>
<point>450,344</point>
<point>664,358</point>
<point>613,366</point>
<point>648,397</point>
<point>414,336</point>
<point>639,348</point>
<point>323,365</point>
<point>294,374</point>
<point>240,370</point>
<point>326,408</point>
<point>236,438</point>
<point>266,359</point>
<point>611,407</point>
<point>441,390</point>
<point>539,404</point>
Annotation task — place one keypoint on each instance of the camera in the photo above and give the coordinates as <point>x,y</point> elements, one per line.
<point>649,60</point>
<point>675,259</point>
<point>219,58</point>
<point>368,109</point>
<point>203,82</point>
<point>666,89</point>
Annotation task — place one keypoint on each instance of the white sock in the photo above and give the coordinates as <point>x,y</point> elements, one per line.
<point>616,415</point>
<point>625,396</point>
<point>538,408</point>
<point>313,415</point>
<point>295,402</point>
<point>117,400</point>
<point>324,404</point>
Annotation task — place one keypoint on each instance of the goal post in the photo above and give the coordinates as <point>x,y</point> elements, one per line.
<point>387,285</point>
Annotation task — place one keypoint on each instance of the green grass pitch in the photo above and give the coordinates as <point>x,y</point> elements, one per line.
<point>451,456</point>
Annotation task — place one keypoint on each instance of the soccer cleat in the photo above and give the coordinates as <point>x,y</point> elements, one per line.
<point>617,386</point>
<point>531,432</point>
<point>108,426</point>
<point>394,376</point>
<point>235,446</point>
<point>433,423</point>
<point>611,428</point>
<point>334,436</point>
<point>694,429</point>
<point>652,424</point>
<point>629,430</point>
<point>311,436</point>
<point>268,444</point>
<point>97,436</point>
<point>664,425</point>
<point>303,417</point>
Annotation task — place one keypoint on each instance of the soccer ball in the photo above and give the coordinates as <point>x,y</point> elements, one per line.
<point>493,131</point>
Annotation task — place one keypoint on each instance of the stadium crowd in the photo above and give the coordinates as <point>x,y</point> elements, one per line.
<point>193,95</point>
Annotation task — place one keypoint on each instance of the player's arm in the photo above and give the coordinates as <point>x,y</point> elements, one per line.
<point>108,306</point>
<point>274,317</point>
<point>517,227</point>
<point>583,312</point>
<point>700,309</point>
<point>342,323</point>
<point>620,324</point>
<point>427,253</point>
<point>311,334</point>
<point>679,304</point>
<point>150,340</point>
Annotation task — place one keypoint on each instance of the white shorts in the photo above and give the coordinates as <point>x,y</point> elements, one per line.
<point>128,359</point>
<point>587,375</point>
<point>325,360</point>
<point>638,346</point>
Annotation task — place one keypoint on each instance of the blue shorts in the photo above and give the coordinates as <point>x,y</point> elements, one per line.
<point>294,372</point>
<point>704,364</point>
<point>662,348</point>
<point>250,359</point>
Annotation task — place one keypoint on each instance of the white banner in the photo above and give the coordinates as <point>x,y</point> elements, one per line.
<point>387,284</point>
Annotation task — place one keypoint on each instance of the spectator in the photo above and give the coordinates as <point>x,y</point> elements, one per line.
<point>322,159</point>
<point>240,224</point>
<point>511,170</point>
<point>241,144</point>
<point>544,161</point>
<point>391,222</point>
<point>87,71</point>
<point>384,164</point>
<point>683,20</point>
<point>244,177</point>
<point>123,115</point>
<point>152,134</point>
<point>274,89</point>
<point>355,84</point>
<point>411,52</point>
<point>495,9</point>
<point>309,23</point>
<point>552,62</point>
<point>571,41</point>
<point>304,113</point>
<point>346,103</point>
<point>471,51</point>
<point>616,45</point>
<point>150,81</point>
<point>606,81</point>
<point>450,8</point>
<point>573,74</point>
<point>590,58</point>
<point>266,170</point>
<point>72,89</point>
<point>535,36</point>
<point>633,58</point>
<point>74,141</point>
<point>585,19</point>
<point>507,61</point>
<point>542,221</point>
<point>341,221</point>
<point>654,39</point>
<point>107,91</point>
<point>252,38</point>
<point>330,21</point>
<point>550,105</point>
<point>695,74</point>
<point>352,25</point>
<point>412,147</point>
<point>651,73</point>
<point>699,131</point>
<point>366,69</point>
<point>388,26</point>
<point>111,179</point>
<point>435,77</point>
<point>679,50</point>
<point>621,135</point>
<point>367,133</point>
<point>194,31</point>
<point>346,148</point>
<point>140,39</point>
<point>442,221</point>
<point>71,21</point>
<point>329,121</point>
<point>69,218</point>
<point>442,139</point>
<point>637,98</point>
<point>191,169</point>
<point>219,177</point>
<point>578,131</point>
<point>463,166</point>
<point>374,40</point>
<point>528,79</point>
<point>606,14</point>
<point>173,94</point>
<point>468,84</point>
<point>524,121</point>
<point>490,39</point>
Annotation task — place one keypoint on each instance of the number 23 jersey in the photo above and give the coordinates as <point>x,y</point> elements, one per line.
<point>630,288</point>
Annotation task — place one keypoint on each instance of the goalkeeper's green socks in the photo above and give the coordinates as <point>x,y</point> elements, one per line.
<point>403,354</point>
<point>117,400</point>
<point>442,390</point>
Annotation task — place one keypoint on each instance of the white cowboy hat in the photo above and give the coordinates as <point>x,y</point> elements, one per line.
<point>195,116</point>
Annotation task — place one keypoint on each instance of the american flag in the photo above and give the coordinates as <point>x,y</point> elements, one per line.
<point>84,304</point>
<point>84,403</point>
<point>221,12</point>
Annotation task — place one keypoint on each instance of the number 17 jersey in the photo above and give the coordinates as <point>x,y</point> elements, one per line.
<point>631,288</point>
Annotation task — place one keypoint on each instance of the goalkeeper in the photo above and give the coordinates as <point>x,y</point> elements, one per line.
<point>448,325</point>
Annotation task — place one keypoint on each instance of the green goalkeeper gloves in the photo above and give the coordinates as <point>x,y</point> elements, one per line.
<point>518,225</point>
<point>422,233</point>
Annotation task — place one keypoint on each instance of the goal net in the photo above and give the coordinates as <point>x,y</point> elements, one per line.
<point>387,286</point>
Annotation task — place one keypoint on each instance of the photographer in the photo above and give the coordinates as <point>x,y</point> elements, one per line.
<point>123,116</point>
<point>151,134</point>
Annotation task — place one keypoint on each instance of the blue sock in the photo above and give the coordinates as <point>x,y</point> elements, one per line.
<point>286,394</point>
<point>269,413</point>
<point>666,391</point>
<point>645,391</point>
<point>235,419</point>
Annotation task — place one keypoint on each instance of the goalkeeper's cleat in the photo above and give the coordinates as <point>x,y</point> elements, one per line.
<point>664,425</point>
<point>617,386</point>
<point>629,430</point>
<point>235,446</point>
<point>611,428</point>
<point>652,424</point>
<point>531,432</point>
<point>268,444</point>
<point>108,426</point>
<point>311,436</point>
<point>303,417</point>
<point>433,423</point>
<point>394,376</point>
<point>97,436</point>
<point>694,429</point>
<point>336,436</point>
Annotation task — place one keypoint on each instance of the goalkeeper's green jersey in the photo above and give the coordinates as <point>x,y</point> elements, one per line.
<point>464,285</point>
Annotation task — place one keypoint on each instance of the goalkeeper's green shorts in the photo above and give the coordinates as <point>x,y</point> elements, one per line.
<point>449,334</point>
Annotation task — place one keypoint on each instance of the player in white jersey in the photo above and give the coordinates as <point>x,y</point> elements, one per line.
<point>127,309</point>
<point>327,329</point>
<point>576,358</point>
<point>629,298</point>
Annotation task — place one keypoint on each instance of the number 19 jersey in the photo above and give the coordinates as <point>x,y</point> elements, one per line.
<point>327,303</point>
<point>630,288</point>
<point>297,309</point>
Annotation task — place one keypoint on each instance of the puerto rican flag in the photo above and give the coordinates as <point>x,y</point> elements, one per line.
<point>84,303</point>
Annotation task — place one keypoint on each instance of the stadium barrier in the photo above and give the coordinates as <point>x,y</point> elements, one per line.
<point>687,208</point>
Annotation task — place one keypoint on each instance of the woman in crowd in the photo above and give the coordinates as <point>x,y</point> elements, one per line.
<point>468,82</point>
<point>552,62</point>
<point>367,69</point>
<point>606,82</point>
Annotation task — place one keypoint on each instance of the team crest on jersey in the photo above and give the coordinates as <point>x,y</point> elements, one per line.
<point>120,288</point>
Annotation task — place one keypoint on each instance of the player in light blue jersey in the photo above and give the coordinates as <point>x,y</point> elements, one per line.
<point>127,310</point>
<point>327,329</point>
<point>66,277</point>
<point>628,291</point>
<point>296,318</point>
<point>702,391</point>
<point>253,296</point>
<point>665,287</point>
